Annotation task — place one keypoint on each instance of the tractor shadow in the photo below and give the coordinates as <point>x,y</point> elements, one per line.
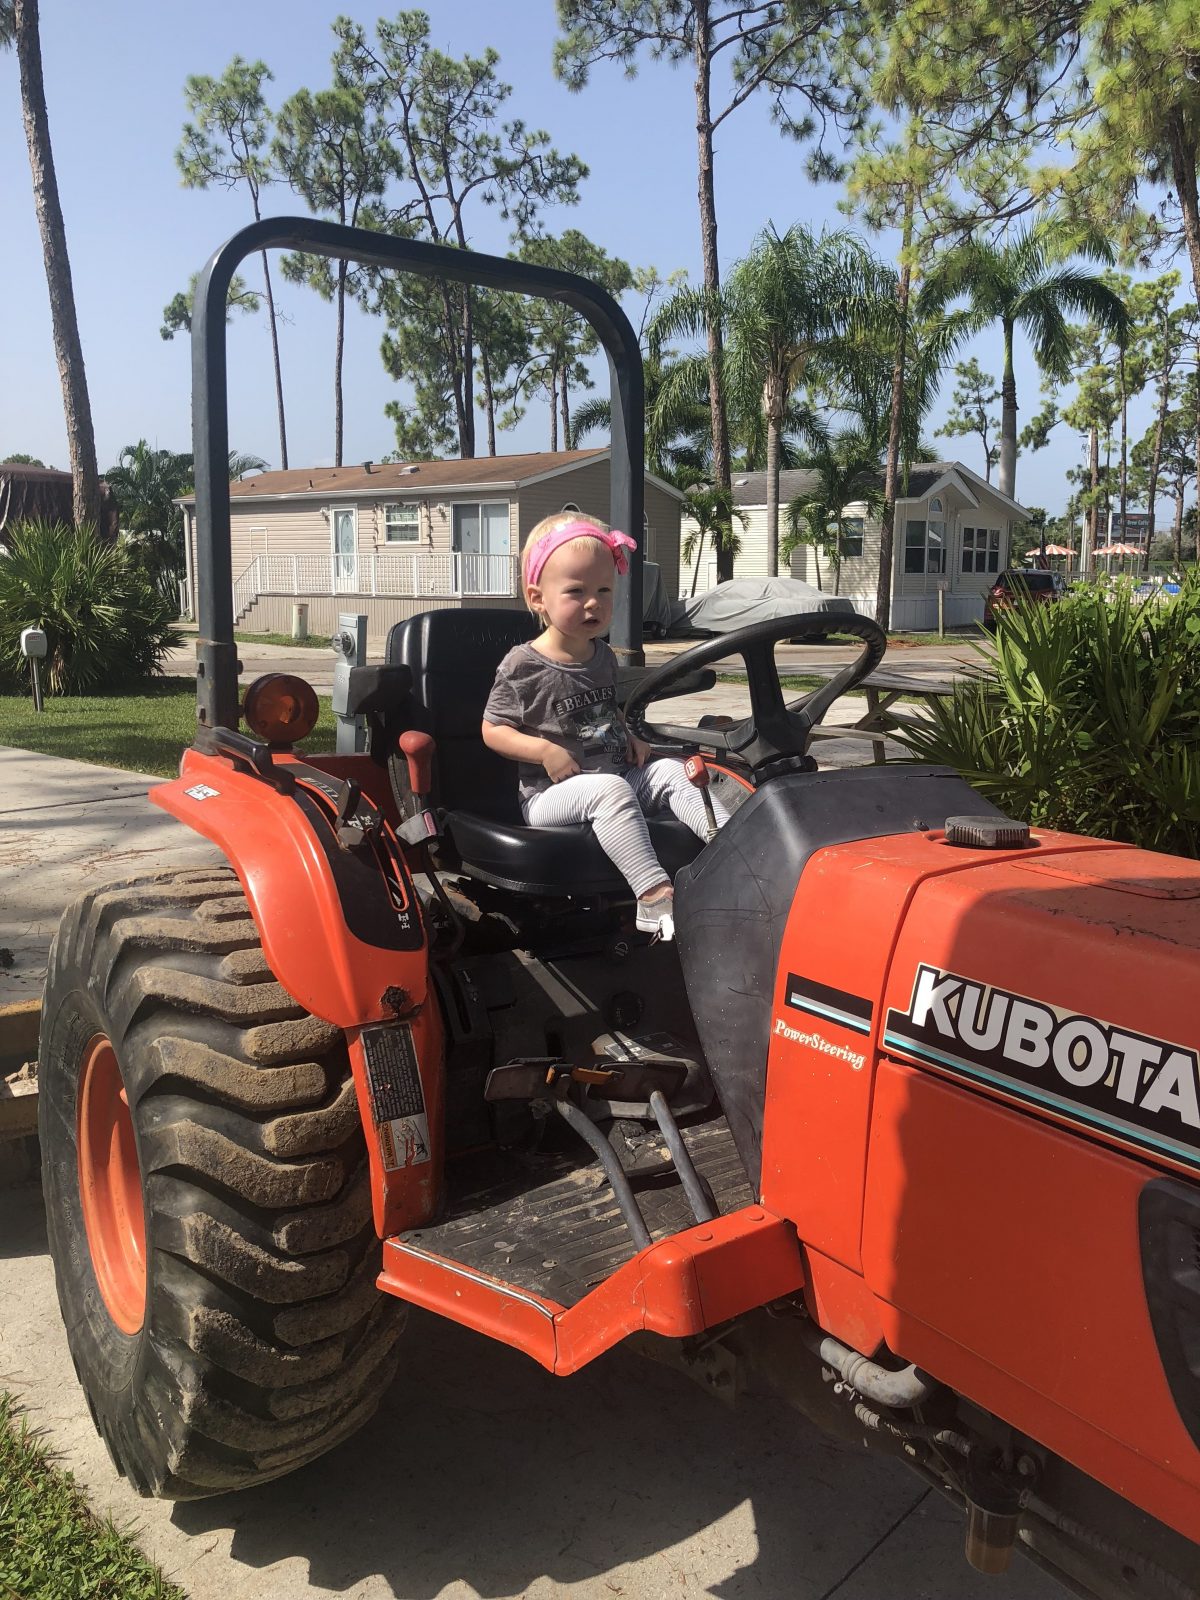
<point>482,1470</point>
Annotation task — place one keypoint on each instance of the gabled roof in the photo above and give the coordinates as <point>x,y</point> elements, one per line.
<point>750,488</point>
<point>415,477</point>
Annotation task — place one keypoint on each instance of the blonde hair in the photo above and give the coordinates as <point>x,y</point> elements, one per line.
<point>560,519</point>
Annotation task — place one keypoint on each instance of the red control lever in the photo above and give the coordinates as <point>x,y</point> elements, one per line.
<point>418,753</point>
<point>699,777</point>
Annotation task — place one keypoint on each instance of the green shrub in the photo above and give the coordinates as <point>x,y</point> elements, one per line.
<point>106,622</point>
<point>1091,722</point>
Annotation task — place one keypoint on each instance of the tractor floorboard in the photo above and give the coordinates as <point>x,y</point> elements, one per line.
<point>549,1223</point>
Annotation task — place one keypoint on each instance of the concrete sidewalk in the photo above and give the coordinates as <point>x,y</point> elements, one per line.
<point>64,826</point>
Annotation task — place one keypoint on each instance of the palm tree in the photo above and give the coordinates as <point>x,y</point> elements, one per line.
<point>19,26</point>
<point>789,311</point>
<point>1025,283</point>
<point>847,473</point>
<point>678,434</point>
<point>713,511</point>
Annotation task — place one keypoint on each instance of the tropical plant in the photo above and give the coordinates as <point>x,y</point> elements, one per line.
<point>1088,722</point>
<point>145,484</point>
<point>1026,283</point>
<point>792,311</point>
<point>106,622</point>
<point>713,512</point>
<point>678,438</point>
<point>19,27</point>
<point>846,473</point>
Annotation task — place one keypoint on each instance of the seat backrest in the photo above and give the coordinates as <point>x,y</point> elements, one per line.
<point>453,655</point>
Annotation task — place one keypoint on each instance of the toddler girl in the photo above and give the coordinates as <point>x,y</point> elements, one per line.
<point>553,708</point>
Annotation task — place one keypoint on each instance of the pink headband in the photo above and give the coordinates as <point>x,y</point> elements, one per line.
<point>545,547</point>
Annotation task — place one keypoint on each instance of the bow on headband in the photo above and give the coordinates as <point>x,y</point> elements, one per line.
<point>544,548</point>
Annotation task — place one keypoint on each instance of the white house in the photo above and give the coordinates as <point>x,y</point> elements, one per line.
<point>391,539</point>
<point>952,533</point>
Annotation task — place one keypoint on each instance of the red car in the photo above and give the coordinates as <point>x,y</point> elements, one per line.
<point>1032,584</point>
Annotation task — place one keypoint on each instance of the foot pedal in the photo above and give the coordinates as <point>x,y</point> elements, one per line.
<point>694,1091</point>
<point>549,1078</point>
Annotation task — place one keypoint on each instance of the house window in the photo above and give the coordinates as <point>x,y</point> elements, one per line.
<point>402,524</point>
<point>981,550</point>
<point>482,529</point>
<point>853,529</point>
<point>925,545</point>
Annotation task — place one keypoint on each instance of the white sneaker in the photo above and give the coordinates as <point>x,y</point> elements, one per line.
<point>657,917</point>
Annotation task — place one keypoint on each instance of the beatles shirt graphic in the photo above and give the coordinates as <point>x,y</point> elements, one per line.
<point>591,717</point>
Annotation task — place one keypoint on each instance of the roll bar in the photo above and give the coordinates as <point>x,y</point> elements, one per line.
<point>216,654</point>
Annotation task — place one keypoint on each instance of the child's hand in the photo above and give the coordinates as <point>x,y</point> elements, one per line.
<point>559,763</point>
<point>639,750</point>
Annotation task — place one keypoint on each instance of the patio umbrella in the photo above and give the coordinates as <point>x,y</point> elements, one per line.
<point>1059,550</point>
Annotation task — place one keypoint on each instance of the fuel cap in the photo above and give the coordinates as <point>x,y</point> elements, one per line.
<point>986,833</point>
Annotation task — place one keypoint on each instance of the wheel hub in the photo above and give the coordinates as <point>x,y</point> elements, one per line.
<point>110,1186</point>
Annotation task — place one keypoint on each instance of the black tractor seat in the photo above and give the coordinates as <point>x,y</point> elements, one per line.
<point>453,656</point>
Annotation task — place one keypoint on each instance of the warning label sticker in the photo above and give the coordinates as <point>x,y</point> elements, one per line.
<point>404,1142</point>
<point>392,1073</point>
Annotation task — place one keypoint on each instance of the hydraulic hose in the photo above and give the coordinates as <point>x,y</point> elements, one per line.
<point>902,1389</point>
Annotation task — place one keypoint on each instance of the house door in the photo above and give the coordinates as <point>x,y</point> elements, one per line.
<point>345,550</point>
<point>481,544</point>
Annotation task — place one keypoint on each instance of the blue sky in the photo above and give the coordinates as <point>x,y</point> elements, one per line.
<point>114,83</point>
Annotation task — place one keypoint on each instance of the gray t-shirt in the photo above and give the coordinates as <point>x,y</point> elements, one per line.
<point>573,704</point>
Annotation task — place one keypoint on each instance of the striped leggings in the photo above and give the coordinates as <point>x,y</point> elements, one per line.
<point>616,807</point>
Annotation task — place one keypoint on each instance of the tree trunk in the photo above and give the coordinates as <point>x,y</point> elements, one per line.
<point>81,441</point>
<point>816,550</point>
<point>1164,394</point>
<point>1008,419</point>
<point>467,441</point>
<point>891,471</point>
<point>565,403</point>
<point>1124,469</point>
<point>837,569</point>
<point>554,411</point>
<point>773,430</point>
<point>283,451</point>
<point>699,551</point>
<point>1183,171</point>
<point>721,476</point>
<point>1177,530</point>
<point>339,352</point>
<point>1089,521</point>
<point>489,398</point>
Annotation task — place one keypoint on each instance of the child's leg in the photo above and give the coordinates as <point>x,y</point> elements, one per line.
<point>665,783</point>
<point>609,804</point>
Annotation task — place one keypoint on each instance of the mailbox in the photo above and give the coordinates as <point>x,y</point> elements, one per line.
<point>33,643</point>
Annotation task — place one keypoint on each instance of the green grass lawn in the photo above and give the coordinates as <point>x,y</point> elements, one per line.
<point>52,1545</point>
<point>144,731</point>
<point>313,642</point>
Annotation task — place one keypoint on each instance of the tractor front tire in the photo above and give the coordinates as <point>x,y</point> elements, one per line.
<point>206,1194</point>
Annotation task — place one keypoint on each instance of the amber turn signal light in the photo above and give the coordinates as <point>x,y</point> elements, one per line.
<point>280,709</point>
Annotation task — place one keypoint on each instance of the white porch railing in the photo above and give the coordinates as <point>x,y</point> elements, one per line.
<point>409,574</point>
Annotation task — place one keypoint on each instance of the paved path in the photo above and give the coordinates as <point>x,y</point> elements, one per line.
<point>65,825</point>
<point>316,666</point>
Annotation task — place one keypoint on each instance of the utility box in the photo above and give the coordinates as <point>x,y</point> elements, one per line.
<point>300,620</point>
<point>349,651</point>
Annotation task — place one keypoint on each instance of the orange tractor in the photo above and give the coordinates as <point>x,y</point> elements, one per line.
<point>906,1123</point>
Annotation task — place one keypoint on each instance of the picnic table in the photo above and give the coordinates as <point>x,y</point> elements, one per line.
<point>883,688</point>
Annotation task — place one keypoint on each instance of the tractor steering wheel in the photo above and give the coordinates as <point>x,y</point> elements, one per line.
<point>774,730</point>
